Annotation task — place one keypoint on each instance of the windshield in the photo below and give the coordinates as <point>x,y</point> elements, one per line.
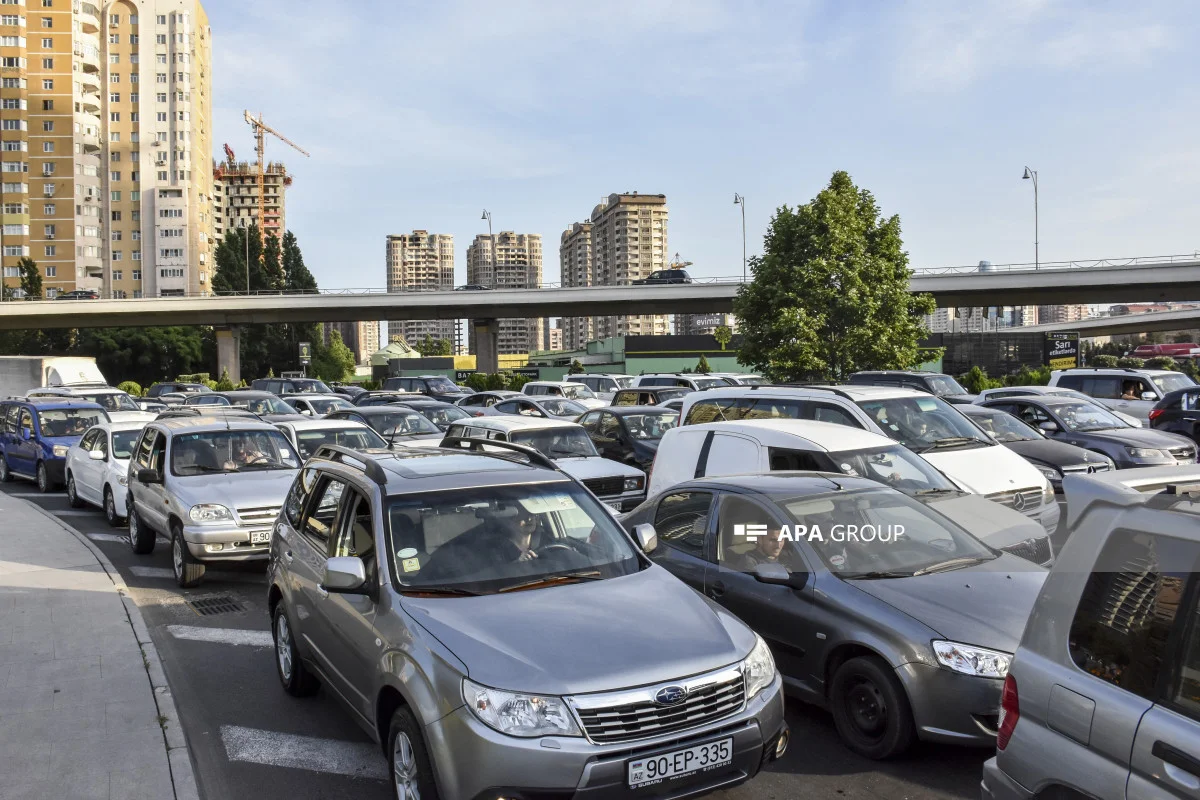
<point>1171,382</point>
<point>751,380</point>
<point>323,406</point>
<point>230,451</point>
<point>442,385</point>
<point>69,421</point>
<point>363,438</point>
<point>123,442</point>
<point>557,442</point>
<point>310,386</point>
<point>943,385</point>
<point>113,401</point>
<point>561,407</point>
<point>577,392</point>
<point>896,466</point>
<point>923,423</point>
<point>926,542</point>
<point>1086,417</point>
<point>709,383</point>
<point>650,426</point>
<point>624,383</point>
<point>401,422</point>
<point>442,416</point>
<point>267,405</point>
<point>1005,427</point>
<point>490,539</point>
<point>206,400</point>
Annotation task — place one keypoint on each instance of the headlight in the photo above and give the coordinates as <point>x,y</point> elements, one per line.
<point>758,668</point>
<point>972,660</point>
<point>519,714</point>
<point>1048,472</point>
<point>210,512</point>
<point>123,480</point>
<point>60,450</point>
<point>1144,452</point>
<point>1048,493</point>
<point>632,484</point>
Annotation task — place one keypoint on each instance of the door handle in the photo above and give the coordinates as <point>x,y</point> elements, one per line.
<point>323,592</point>
<point>287,554</point>
<point>716,590</point>
<point>1176,758</point>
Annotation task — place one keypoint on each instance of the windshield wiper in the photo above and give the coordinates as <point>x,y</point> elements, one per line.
<point>206,468</point>
<point>550,580</point>
<point>438,590</point>
<point>951,564</point>
<point>951,441</point>
<point>927,492</point>
<point>876,575</point>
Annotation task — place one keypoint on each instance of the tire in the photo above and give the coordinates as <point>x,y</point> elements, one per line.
<point>870,709</point>
<point>293,675</point>
<point>110,510</point>
<point>44,484</point>
<point>5,473</point>
<point>188,571</point>
<point>408,760</point>
<point>141,537</point>
<point>73,499</point>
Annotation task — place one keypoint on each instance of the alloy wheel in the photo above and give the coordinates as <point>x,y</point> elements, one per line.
<point>404,768</point>
<point>177,555</point>
<point>283,646</point>
<point>110,508</point>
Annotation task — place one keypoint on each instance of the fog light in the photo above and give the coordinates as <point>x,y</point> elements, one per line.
<point>781,743</point>
<point>212,548</point>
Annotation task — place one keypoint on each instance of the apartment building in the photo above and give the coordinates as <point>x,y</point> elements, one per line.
<point>629,241</point>
<point>515,262</point>
<point>1063,313</point>
<point>575,262</point>
<point>235,197</point>
<point>420,262</point>
<point>361,337</point>
<point>554,341</point>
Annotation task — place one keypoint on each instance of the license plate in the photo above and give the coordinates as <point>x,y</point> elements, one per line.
<point>616,505</point>
<point>260,537</point>
<point>680,763</point>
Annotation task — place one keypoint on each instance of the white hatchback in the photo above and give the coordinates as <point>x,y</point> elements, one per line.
<point>97,468</point>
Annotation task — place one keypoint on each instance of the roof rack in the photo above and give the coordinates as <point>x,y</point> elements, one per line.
<point>339,455</point>
<point>534,455</point>
<point>818,387</point>
<point>172,412</point>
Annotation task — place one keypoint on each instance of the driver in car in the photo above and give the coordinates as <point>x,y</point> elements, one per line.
<point>243,454</point>
<point>768,549</point>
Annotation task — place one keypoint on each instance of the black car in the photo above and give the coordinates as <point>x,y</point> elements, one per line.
<point>1092,427</point>
<point>383,398</point>
<point>347,390</point>
<point>472,287</point>
<point>1052,459</point>
<point>397,425</point>
<point>471,403</point>
<point>629,433</point>
<point>282,386</point>
<point>264,404</point>
<point>176,387</point>
<point>439,387</point>
<point>664,276</point>
<point>1178,412</point>
<point>935,383</point>
<point>437,412</point>
<point>647,395</point>
<point>80,294</point>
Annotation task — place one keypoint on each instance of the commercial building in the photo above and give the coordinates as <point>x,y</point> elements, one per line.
<point>420,262</point>
<point>629,241</point>
<point>515,263</point>
<point>235,197</point>
<point>703,324</point>
<point>104,122</point>
<point>575,263</point>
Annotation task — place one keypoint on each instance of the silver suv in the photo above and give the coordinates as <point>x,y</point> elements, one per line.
<point>1102,698</point>
<point>489,623</point>
<point>213,484</point>
<point>1130,391</point>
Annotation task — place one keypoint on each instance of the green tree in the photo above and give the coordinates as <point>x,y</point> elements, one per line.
<point>224,383</point>
<point>830,294</point>
<point>1161,362</point>
<point>516,380</point>
<point>31,278</point>
<point>1129,362</point>
<point>976,380</point>
<point>434,347</point>
<point>272,265</point>
<point>477,381</point>
<point>335,361</point>
<point>296,276</point>
<point>130,388</point>
<point>231,275</point>
<point>146,355</point>
<point>1103,360</point>
<point>576,367</point>
<point>702,365</point>
<point>723,335</point>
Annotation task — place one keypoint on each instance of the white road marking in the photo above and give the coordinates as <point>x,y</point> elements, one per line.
<point>356,759</point>
<point>108,537</point>
<point>76,513</point>
<point>152,572</point>
<point>25,494</point>
<point>197,633</point>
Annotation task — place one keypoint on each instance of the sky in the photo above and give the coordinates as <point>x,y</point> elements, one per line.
<point>419,115</point>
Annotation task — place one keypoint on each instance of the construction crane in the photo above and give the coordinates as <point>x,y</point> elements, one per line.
<point>261,129</point>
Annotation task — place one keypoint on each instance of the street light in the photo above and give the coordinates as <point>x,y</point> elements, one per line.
<point>1031,175</point>
<point>738,200</point>
<point>488,216</point>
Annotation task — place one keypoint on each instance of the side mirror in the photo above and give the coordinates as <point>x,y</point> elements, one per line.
<point>307,412</point>
<point>96,455</point>
<point>646,536</point>
<point>778,575</point>
<point>1048,427</point>
<point>149,476</point>
<point>345,575</point>
<point>1149,396</point>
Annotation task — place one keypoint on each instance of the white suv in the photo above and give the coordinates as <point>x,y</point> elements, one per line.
<point>927,425</point>
<point>694,381</point>
<point>1130,391</point>
<point>568,389</point>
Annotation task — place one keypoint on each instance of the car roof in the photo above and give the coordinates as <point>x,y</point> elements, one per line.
<point>1041,399</point>
<point>516,423</point>
<point>845,391</point>
<point>827,436</point>
<point>369,410</point>
<point>625,411</point>
<point>205,422</point>
<point>117,427</point>
<point>974,410</point>
<point>52,403</point>
<point>919,372</point>
<point>426,469</point>
<point>1120,371</point>
<point>653,389</point>
<point>246,393</point>
<point>553,383</point>
<point>785,483</point>
<point>310,424</point>
<point>312,396</point>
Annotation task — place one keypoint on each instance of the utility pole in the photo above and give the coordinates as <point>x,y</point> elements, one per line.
<point>739,200</point>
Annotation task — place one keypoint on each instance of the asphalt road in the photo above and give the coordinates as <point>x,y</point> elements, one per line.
<point>249,739</point>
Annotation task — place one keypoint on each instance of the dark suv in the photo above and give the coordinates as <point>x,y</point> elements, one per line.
<point>176,387</point>
<point>936,383</point>
<point>664,276</point>
<point>439,387</point>
<point>282,386</point>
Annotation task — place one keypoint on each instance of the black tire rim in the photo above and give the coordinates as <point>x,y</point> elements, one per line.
<point>866,709</point>
<point>110,508</point>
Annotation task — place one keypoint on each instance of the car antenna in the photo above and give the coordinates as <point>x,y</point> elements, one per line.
<point>836,485</point>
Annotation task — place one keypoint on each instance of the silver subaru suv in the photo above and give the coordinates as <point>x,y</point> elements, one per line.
<point>212,484</point>
<point>488,622</point>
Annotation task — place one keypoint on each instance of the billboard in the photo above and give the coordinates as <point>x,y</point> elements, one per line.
<point>1062,349</point>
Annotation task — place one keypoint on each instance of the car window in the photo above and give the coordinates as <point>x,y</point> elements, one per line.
<point>293,506</point>
<point>749,535</point>
<point>308,441</point>
<point>681,520</point>
<point>88,442</point>
<point>1189,401</point>
<point>69,421</point>
<point>443,415</point>
<point>562,407</point>
<point>1184,691</point>
<point>1005,427</point>
<point>322,510</point>
<point>625,399</point>
<point>569,442</point>
<point>508,407</point>
<point>1120,629</point>
<point>652,425</point>
<point>356,534</point>
<point>145,445</point>
<point>893,465</point>
<point>610,426</point>
<point>26,423</point>
<point>1070,381</point>
<point>590,422</point>
<point>158,453</point>
<point>229,451</point>
<point>1103,387</point>
<point>782,459</point>
<point>828,412</point>
<point>1030,414</point>
<point>11,414</point>
<point>1171,382</point>
<point>923,423</point>
<point>122,443</point>
<point>1086,416</point>
<point>731,455</point>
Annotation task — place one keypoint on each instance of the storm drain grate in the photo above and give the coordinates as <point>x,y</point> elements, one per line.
<point>217,604</point>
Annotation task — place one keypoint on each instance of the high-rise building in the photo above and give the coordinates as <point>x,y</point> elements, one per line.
<point>515,264</point>
<point>420,262</point>
<point>361,337</point>
<point>1063,313</point>
<point>629,241</point>
<point>554,341</point>
<point>235,197</point>
<point>575,261</point>
<point>104,117</point>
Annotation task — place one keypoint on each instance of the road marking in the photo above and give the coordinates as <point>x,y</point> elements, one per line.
<point>108,537</point>
<point>166,572</point>
<point>152,572</point>
<point>197,633</point>
<point>358,760</point>
<point>75,513</point>
<point>25,494</point>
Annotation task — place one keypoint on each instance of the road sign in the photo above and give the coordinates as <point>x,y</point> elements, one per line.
<point>1062,349</point>
<point>305,352</point>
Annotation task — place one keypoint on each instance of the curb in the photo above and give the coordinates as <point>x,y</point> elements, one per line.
<point>183,777</point>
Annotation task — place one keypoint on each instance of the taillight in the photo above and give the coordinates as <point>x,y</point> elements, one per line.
<point>1155,413</point>
<point>1010,712</point>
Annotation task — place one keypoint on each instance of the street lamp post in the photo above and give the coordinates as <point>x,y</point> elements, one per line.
<point>1031,175</point>
<point>488,216</point>
<point>246,236</point>
<point>739,200</point>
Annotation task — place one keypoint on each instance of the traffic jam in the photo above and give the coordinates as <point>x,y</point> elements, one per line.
<point>608,585</point>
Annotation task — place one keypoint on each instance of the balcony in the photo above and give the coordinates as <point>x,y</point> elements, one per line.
<point>88,16</point>
<point>90,103</point>
<point>89,82</point>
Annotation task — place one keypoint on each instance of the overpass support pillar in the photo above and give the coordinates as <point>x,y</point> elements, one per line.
<point>229,352</point>
<point>487,345</point>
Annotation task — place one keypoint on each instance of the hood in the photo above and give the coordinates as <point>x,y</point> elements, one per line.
<point>586,637</point>
<point>1136,437</point>
<point>986,470</point>
<point>591,402</point>
<point>596,467</point>
<point>275,419</point>
<point>985,605</point>
<point>959,399</point>
<point>132,416</point>
<point>236,490</point>
<point>995,525</point>
<point>1056,454</point>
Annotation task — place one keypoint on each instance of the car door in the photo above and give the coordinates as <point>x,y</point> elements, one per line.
<point>156,506</point>
<point>607,436</point>
<point>88,472</point>
<point>306,555</point>
<point>682,520</point>
<point>23,455</point>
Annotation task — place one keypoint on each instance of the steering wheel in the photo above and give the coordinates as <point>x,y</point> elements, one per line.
<point>556,546</point>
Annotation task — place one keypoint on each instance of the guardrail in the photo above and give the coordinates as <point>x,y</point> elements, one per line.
<point>1094,263</point>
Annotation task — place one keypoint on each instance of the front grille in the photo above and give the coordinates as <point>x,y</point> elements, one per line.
<point>636,715</point>
<point>1080,469</point>
<point>257,517</point>
<point>602,487</point>
<point>1036,550</point>
<point>1027,501</point>
<point>1183,454</point>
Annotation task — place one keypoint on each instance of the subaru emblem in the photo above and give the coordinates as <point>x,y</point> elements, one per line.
<point>670,695</point>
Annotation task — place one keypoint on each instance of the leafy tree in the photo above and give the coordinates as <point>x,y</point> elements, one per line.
<point>1129,362</point>
<point>335,361</point>
<point>1161,362</point>
<point>272,266</point>
<point>976,380</point>
<point>296,276</point>
<point>31,278</point>
<point>130,388</point>
<point>145,355</point>
<point>434,347</point>
<point>1028,377</point>
<point>576,367</point>
<point>702,365</point>
<point>1104,360</point>
<point>830,295</point>
<point>1188,367</point>
<point>477,381</point>
<point>224,383</point>
<point>723,335</point>
<point>516,380</point>
<point>231,275</point>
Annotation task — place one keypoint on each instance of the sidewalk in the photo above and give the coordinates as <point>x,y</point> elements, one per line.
<point>85,711</point>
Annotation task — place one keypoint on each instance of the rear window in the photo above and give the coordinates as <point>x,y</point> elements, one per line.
<point>739,408</point>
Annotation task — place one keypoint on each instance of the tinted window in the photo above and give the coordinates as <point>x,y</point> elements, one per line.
<point>682,521</point>
<point>827,412</point>
<point>293,507</point>
<point>1070,381</point>
<point>356,534</point>
<point>1105,388</point>
<point>1128,607</point>
<point>782,460</point>
<point>144,446</point>
<point>1184,692</point>
<point>321,514</point>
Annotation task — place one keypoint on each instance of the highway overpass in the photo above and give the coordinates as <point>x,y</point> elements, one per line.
<point>1125,324</point>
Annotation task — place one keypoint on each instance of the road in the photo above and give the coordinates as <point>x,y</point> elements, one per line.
<point>249,739</point>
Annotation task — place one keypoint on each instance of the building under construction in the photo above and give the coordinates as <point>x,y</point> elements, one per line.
<point>235,196</point>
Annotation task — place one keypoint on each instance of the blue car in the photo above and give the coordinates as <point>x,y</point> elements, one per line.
<point>36,434</point>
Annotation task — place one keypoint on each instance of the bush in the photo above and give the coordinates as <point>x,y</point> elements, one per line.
<point>1129,362</point>
<point>371,386</point>
<point>576,367</point>
<point>224,383</point>
<point>1161,362</point>
<point>1188,367</point>
<point>1103,360</point>
<point>702,365</point>
<point>130,388</point>
<point>516,381</point>
<point>196,377</point>
<point>477,381</point>
<point>1028,377</point>
<point>976,380</point>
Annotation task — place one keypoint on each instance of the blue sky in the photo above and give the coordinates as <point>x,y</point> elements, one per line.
<point>421,114</point>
